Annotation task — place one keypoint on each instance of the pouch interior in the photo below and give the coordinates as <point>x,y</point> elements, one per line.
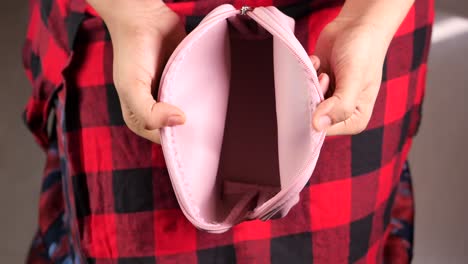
<point>249,164</point>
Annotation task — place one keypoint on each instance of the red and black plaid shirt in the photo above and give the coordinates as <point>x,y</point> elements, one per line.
<point>106,195</point>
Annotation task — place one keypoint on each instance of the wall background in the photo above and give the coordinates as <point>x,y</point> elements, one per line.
<point>454,6</point>
<point>438,158</point>
<point>21,161</point>
<point>439,161</point>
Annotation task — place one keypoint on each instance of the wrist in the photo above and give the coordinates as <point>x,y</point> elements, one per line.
<point>383,17</point>
<point>128,15</point>
<point>362,29</point>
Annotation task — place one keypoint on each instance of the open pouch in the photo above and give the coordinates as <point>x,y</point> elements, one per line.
<point>248,89</point>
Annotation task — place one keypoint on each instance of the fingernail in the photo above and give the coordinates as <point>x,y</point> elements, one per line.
<point>324,122</point>
<point>174,120</point>
<point>314,62</point>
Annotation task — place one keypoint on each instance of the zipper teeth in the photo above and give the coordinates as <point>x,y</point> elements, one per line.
<point>284,194</point>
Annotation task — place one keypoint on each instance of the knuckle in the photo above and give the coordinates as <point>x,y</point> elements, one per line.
<point>132,127</point>
<point>146,117</point>
<point>348,106</point>
<point>360,126</point>
<point>126,117</point>
<point>358,129</point>
<point>132,123</point>
<point>347,109</point>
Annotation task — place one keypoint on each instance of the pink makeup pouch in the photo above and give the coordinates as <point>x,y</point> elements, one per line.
<point>248,90</point>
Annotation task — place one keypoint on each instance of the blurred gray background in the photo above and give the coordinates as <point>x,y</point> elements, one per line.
<point>439,158</point>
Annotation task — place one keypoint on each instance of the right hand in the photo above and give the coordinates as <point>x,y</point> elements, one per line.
<point>144,34</point>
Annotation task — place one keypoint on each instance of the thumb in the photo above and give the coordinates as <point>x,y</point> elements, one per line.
<point>155,115</point>
<point>340,106</point>
<point>147,114</point>
<point>163,114</point>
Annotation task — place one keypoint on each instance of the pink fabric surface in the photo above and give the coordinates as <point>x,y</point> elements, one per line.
<point>248,90</point>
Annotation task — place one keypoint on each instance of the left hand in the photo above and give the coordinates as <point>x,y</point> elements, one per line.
<point>144,34</point>
<point>352,56</point>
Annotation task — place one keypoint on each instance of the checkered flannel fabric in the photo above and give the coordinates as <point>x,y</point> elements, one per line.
<point>106,196</point>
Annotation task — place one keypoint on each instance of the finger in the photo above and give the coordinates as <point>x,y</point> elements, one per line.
<point>163,114</point>
<point>141,111</point>
<point>361,116</point>
<point>351,126</point>
<point>152,135</point>
<point>135,124</point>
<point>315,61</point>
<point>324,82</point>
<point>340,106</point>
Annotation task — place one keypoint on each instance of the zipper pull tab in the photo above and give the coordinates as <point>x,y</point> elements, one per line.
<point>245,9</point>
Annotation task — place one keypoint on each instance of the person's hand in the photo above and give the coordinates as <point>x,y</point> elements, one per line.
<point>352,55</point>
<point>144,34</point>
<point>352,51</point>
